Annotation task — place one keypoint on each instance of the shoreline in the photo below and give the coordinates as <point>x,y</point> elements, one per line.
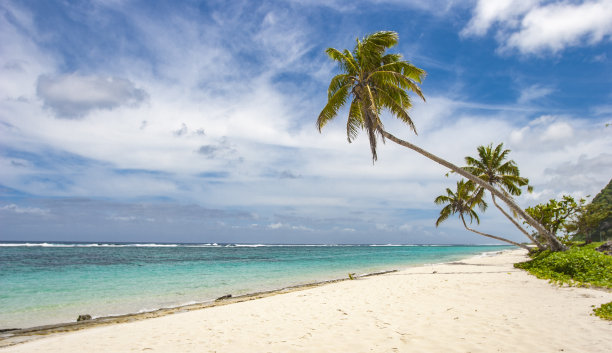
<point>477,304</point>
<point>12,336</point>
<point>111,318</point>
<point>35,299</point>
<point>22,334</point>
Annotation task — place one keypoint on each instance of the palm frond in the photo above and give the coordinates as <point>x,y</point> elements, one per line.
<point>345,64</point>
<point>336,83</point>
<point>355,120</point>
<point>391,58</point>
<point>389,77</point>
<point>379,42</point>
<point>442,199</point>
<point>414,73</point>
<point>333,105</point>
<point>473,215</point>
<point>397,108</point>
<point>404,68</point>
<point>444,214</point>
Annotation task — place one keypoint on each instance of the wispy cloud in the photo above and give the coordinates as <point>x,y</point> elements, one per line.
<point>533,93</point>
<point>24,210</point>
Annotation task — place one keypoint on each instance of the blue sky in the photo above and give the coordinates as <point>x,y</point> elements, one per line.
<point>194,121</point>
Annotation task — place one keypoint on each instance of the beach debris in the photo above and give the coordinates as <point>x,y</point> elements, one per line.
<point>351,276</point>
<point>84,317</point>
<point>223,297</point>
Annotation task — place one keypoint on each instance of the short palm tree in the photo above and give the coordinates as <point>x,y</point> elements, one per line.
<point>374,81</point>
<point>463,201</point>
<point>492,167</point>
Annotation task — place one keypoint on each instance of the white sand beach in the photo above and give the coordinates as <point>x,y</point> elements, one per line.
<point>482,304</point>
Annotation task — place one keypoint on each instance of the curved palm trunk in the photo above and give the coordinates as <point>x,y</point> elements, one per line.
<point>492,236</point>
<point>555,244</point>
<point>534,240</point>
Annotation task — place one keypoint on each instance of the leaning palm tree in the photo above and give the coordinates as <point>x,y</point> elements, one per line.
<point>492,167</point>
<point>463,201</point>
<point>374,81</point>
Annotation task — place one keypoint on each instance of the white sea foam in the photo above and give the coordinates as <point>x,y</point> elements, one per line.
<point>390,245</point>
<point>108,245</point>
<point>204,245</point>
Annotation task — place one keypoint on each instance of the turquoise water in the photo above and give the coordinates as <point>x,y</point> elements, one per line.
<point>46,283</point>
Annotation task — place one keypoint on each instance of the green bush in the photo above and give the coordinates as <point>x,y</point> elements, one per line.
<point>580,265</point>
<point>604,311</point>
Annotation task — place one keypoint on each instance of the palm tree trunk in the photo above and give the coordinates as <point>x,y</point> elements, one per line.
<point>492,236</point>
<point>534,240</point>
<point>555,244</point>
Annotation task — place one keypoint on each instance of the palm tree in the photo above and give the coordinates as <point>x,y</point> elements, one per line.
<point>492,167</point>
<point>374,81</point>
<point>463,201</point>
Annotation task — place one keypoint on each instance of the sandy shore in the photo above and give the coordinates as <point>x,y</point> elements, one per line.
<point>481,304</point>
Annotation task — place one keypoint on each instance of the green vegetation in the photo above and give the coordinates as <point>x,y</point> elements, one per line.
<point>572,220</point>
<point>555,215</point>
<point>596,220</point>
<point>604,311</point>
<point>579,266</point>
<point>591,221</point>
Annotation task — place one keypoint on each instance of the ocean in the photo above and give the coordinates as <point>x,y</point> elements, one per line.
<point>54,282</point>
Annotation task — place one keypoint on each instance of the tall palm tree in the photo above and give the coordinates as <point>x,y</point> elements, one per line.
<point>492,167</point>
<point>463,201</point>
<point>374,81</point>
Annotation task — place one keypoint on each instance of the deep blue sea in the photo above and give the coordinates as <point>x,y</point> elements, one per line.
<point>47,283</point>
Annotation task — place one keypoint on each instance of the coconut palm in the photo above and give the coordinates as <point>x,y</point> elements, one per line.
<point>492,167</point>
<point>463,201</point>
<point>374,81</point>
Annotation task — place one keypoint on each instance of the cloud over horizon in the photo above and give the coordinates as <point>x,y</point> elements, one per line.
<point>212,106</point>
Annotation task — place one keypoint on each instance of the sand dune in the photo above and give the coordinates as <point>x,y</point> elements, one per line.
<point>481,304</point>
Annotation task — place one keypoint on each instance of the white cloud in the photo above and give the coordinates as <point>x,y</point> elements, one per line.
<point>22,60</point>
<point>505,12</point>
<point>131,218</point>
<point>276,225</point>
<point>557,131</point>
<point>289,227</point>
<point>557,26</point>
<point>533,93</point>
<point>24,210</point>
<point>73,95</point>
<point>536,26</point>
<point>407,227</point>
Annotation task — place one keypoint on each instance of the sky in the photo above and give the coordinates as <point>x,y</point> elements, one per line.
<point>194,121</point>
